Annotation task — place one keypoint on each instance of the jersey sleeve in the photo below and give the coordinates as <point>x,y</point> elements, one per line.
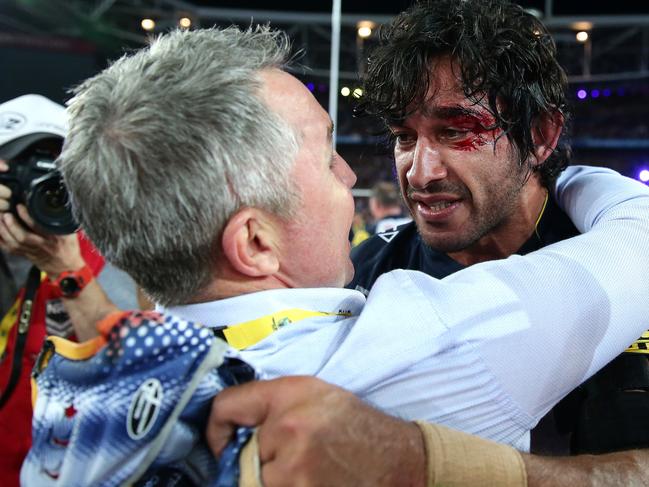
<point>511,336</point>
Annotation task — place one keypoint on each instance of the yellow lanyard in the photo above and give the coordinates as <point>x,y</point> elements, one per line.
<point>7,323</point>
<point>641,345</point>
<point>9,320</point>
<point>244,335</point>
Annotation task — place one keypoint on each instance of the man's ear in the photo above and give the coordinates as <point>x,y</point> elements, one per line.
<point>545,135</point>
<point>249,243</point>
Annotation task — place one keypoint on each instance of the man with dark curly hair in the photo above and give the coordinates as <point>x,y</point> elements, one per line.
<point>475,100</point>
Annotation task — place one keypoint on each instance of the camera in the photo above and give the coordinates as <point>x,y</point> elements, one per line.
<point>35,181</point>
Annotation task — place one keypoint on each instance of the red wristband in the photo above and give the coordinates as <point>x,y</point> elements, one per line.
<point>70,283</point>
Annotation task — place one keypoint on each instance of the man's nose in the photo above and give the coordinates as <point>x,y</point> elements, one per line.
<point>427,166</point>
<point>347,175</point>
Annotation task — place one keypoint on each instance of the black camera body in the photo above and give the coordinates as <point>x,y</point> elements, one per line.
<point>35,181</point>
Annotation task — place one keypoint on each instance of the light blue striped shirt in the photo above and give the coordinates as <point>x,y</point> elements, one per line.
<point>490,349</point>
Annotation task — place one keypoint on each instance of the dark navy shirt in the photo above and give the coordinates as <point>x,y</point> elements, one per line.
<point>403,248</point>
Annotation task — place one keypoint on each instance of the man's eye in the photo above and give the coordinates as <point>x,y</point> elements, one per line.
<point>403,138</point>
<point>454,134</point>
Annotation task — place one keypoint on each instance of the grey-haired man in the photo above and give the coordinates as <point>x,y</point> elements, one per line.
<point>228,205</point>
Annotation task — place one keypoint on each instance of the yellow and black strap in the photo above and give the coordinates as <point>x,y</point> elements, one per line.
<point>24,320</point>
<point>246,334</point>
<point>641,345</point>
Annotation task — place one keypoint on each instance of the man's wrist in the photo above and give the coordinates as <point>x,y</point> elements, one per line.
<point>54,273</point>
<point>69,284</point>
<point>418,471</point>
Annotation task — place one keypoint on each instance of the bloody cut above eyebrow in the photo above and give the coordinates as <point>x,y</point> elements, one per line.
<point>460,114</point>
<point>453,114</point>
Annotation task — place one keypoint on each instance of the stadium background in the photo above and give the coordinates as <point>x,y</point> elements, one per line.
<point>47,46</point>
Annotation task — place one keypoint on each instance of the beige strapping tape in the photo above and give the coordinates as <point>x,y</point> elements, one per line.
<point>457,459</point>
<point>249,465</point>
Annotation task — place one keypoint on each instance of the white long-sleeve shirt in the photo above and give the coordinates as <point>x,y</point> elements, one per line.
<point>488,350</point>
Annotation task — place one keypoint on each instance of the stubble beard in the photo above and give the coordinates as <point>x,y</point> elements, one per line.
<point>501,206</point>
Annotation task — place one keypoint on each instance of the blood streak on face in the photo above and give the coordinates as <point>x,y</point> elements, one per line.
<point>469,132</point>
<point>459,178</point>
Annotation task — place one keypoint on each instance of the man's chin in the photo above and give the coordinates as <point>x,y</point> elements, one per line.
<point>446,243</point>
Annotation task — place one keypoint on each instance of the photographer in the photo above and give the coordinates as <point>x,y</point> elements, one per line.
<point>66,298</point>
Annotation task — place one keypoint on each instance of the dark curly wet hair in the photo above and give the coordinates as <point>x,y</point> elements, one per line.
<point>505,56</point>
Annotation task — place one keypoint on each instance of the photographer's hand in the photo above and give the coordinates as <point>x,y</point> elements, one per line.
<point>50,253</point>
<point>53,254</point>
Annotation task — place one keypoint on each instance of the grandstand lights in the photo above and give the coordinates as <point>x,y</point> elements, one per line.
<point>582,36</point>
<point>345,91</point>
<point>364,32</point>
<point>365,28</point>
<point>644,175</point>
<point>148,24</point>
<point>358,92</point>
<point>185,22</point>
<point>582,94</point>
<point>594,93</point>
<point>584,25</point>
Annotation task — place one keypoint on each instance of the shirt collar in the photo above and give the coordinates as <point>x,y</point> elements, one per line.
<point>230,311</point>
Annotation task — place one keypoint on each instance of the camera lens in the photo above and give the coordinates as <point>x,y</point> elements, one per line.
<point>47,203</point>
<point>53,201</point>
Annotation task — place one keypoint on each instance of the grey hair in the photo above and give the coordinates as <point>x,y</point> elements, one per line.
<point>165,145</point>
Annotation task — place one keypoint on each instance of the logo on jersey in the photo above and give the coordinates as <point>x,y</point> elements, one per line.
<point>388,236</point>
<point>144,409</point>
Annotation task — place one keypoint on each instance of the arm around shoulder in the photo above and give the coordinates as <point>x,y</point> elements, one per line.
<point>592,194</point>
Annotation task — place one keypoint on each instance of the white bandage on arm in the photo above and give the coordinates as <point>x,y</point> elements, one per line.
<point>461,460</point>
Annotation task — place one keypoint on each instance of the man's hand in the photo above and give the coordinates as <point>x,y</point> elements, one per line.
<point>312,433</point>
<point>51,253</point>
